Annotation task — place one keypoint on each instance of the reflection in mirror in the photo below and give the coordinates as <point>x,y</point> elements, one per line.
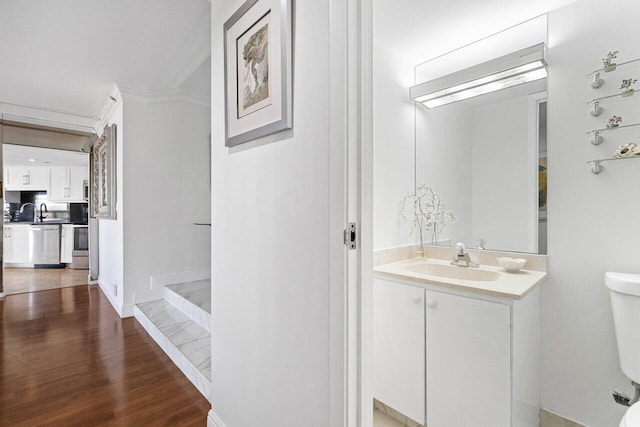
<point>486,158</point>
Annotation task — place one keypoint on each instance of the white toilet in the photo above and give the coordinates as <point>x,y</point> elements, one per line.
<point>625,302</point>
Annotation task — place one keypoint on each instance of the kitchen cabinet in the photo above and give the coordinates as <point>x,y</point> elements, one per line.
<point>26,178</point>
<point>399,347</point>
<point>66,244</point>
<point>66,183</point>
<point>472,359</point>
<point>16,243</point>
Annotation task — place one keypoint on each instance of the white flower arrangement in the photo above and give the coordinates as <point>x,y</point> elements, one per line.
<point>429,212</point>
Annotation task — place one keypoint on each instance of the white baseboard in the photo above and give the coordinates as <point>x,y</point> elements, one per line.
<point>213,420</point>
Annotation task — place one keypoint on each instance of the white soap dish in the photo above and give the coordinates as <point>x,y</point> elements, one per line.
<point>512,265</point>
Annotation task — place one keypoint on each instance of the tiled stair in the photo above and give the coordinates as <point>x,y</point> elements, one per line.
<point>180,324</point>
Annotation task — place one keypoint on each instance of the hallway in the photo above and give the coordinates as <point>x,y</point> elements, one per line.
<point>69,360</point>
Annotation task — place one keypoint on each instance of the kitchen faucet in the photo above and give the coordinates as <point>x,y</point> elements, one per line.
<point>462,256</point>
<point>34,209</point>
<point>42,217</point>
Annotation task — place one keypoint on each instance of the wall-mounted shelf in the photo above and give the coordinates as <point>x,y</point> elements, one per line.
<point>595,76</point>
<point>596,164</point>
<point>597,103</point>
<point>598,139</point>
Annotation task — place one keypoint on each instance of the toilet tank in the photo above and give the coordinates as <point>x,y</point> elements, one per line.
<point>625,302</point>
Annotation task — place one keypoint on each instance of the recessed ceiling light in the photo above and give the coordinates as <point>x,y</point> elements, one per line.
<point>32,160</point>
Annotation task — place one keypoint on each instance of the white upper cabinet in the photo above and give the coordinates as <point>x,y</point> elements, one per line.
<point>66,183</point>
<point>26,178</point>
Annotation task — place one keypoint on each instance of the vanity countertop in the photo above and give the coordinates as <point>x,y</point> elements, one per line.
<point>508,285</point>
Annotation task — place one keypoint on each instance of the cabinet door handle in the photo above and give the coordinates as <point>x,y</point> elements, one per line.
<point>417,299</point>
<point>431,303</point>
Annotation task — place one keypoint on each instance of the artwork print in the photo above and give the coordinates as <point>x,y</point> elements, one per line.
<point>253,68</point>
<point>258,71</point>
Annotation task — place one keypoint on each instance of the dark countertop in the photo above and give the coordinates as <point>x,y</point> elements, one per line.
<point>50,222</point>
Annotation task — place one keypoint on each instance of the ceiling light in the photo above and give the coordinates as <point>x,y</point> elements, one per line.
<point>32,160</point>
<point>514,69</point>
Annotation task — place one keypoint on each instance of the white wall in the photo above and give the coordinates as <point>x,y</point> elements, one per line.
<point>270,248</point>
<point>407,33</point>
<point>167,189</point>
<point>393,129</point>
<point>590,217</point>
<point>163,180</point>
<point>504,200</point>
<point>111,254</point>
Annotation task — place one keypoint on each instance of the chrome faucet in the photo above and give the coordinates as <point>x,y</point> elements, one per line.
<point>462,257</point>
<point>42,217</point>
<point>33,209</point>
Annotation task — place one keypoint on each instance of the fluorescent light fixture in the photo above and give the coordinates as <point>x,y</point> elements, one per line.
<point>514,69</point>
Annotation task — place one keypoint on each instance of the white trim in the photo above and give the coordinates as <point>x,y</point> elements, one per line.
<point>125,310</point>
<point>213,420</point>
<point>108,108</point>
<point>338,283</point>
<point>36,115</point>
<point>364,304</point>
<point>164,96</point>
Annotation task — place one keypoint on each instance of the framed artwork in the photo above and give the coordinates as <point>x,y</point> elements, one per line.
<point>258,72</point>
<point>102,170</point>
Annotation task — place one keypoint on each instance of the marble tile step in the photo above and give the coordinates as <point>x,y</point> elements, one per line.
<point>186,343</point>
<point>193,299</point>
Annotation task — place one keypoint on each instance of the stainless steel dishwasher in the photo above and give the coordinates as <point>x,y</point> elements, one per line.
<point>45,244</point>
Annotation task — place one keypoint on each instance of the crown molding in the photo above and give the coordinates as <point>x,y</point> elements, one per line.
<point>114,100</point>
<point>47,117</point>
<point>164,96</point>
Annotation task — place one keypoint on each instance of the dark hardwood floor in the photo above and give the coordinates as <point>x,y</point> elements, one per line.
<point>67,359</point>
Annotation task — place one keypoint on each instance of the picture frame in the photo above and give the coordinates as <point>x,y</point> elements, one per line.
<point>258,71</point>
<point>102,169</point>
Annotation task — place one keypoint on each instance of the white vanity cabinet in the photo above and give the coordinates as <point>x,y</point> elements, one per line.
<point>398,347</point>
<point>476,355</point>
<point>16,243</point>
<point>66,183</point>
<point>26,178</point>
<point>468,361</point>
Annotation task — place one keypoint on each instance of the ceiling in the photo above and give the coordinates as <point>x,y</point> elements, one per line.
<point>19,155</point>
<point>66,55</point>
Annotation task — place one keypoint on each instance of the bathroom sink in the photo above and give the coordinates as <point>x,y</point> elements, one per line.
<point>454,272</point>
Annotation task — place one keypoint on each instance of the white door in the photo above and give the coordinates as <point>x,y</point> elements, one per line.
<point>468,362</point>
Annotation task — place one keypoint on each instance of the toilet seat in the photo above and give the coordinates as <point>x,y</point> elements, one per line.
<point>632,416</point>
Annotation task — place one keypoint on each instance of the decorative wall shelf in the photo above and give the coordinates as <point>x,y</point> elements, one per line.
<point>596,166</point>
<point>598,139</point>
<point>595,76</point>
<point>597,103</point>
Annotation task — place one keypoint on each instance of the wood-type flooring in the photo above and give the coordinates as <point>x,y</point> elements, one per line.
<point>67,359</point>
<point>20,280</point>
